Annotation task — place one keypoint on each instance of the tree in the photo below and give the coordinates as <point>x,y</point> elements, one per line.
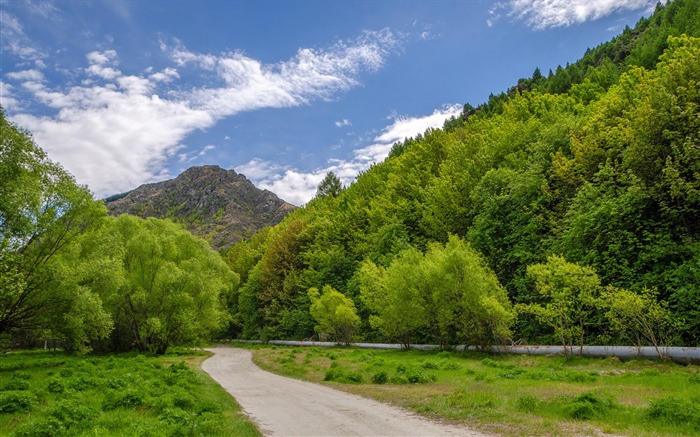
<point>571,292</point>
<point>465,296</point>
<point>174,286</point>
<point>42,209</point>
<point>640,318</point>
<point>335,314</point>
<point>395,296</point>
<point>329,186</point>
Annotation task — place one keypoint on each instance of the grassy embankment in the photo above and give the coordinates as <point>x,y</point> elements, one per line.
<point>44,394</point>
<point>510,395</point>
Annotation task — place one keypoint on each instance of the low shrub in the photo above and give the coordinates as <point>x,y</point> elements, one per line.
<point>588,405</point>
<point>16,384</point>
<point>527,403</point>
<point>15,401</point>
<point>71,414</point>
<point>127,399</point>
<point>380,378</point>
<point>674,411</point>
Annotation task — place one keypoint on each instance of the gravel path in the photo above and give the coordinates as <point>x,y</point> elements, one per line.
<point>283,406</point>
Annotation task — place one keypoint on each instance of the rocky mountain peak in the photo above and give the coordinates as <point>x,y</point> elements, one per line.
<point>217,204</point>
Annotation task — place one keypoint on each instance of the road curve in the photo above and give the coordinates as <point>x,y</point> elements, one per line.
<point>283,406</point>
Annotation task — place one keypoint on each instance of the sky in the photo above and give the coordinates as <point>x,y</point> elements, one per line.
<point>127,92</point>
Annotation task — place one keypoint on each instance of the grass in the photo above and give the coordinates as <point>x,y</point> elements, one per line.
<point>509,394</point>
<point>50,393</point>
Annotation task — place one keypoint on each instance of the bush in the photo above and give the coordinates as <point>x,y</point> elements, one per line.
<point>588,405</point>
<point>14,401</point>
<point>56,386</point>
<point>674,411</point>
<point>380,378</point>
<point>16,384</point>
<point>488,362</point>
<point>126,399</point>
<point>450,365</point>
<point>48,427</point>
<point>527,403</point>
<point>71,414</point>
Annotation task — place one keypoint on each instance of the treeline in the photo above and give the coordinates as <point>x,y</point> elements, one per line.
<point>558,212</point>
<point>72,275</point>
<point>565,211</point>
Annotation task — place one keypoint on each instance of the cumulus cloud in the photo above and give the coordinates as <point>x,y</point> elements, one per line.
<point>542,14</point>
<point>299,187</point>
<point>343,122</point>
<point>117,130</point>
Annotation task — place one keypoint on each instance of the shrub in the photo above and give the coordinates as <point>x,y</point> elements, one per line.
<point>380,378</point>
<point>429,365</point>
<point>47,427</point>
<point>56,386</point>
<point>16,384</point>
<point>674,411</point>
<point>14,401</point>
<point>333,374</point>
<point>126,399</point>
<point>588,405</point>
<point>83,383</point>
<point>71,414</point>
<point>450,365</point>
<point>527,403</point>
<point>488,362</point>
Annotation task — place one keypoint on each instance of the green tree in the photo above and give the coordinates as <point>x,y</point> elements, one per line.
<point>329,186</point>
<point>174,287</point>
<point>42,209</point>
<point>466,300</point>
<point>639,318</point>
<point>335,314</point>
<point>396,296</point>
<point>571,297</point>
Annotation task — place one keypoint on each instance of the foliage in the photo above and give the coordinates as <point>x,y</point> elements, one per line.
<point>159,284</point>
<point>329,186</point>
<point>116,395</point>
<point>42,209</point>
<point>640,318</point>
<point>449,289</point>
<point>335,314</point>
<point>570,295</point>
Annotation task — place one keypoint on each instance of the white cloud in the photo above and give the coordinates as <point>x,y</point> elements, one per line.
<point>343,122</point>
<point>299,187</point>
<point>14,40</point>
<point>311,74</point>
<point>26,75</point>
<point>7,99</point>
<point>542,14</point>
<point>115,130</point>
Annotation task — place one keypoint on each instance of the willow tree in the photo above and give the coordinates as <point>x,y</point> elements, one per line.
<point>42,209</point>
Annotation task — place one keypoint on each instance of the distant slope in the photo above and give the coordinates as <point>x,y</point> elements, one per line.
<point>219,205</point>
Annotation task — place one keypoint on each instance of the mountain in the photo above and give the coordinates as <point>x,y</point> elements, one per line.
<point>219,205</point>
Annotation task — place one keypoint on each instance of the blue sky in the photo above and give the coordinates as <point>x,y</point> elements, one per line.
<point>123,93</point>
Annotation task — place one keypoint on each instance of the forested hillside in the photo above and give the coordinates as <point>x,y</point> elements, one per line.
<point>566,210</point>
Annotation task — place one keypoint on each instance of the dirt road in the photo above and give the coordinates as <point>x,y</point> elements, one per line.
<point>283,406</point>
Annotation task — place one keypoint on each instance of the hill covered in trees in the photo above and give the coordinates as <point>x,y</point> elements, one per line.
<point>216,204</point>
<point>564,210</point>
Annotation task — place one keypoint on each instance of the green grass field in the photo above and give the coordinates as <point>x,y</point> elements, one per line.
<point>46,393</point>
<point>510,395</point>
